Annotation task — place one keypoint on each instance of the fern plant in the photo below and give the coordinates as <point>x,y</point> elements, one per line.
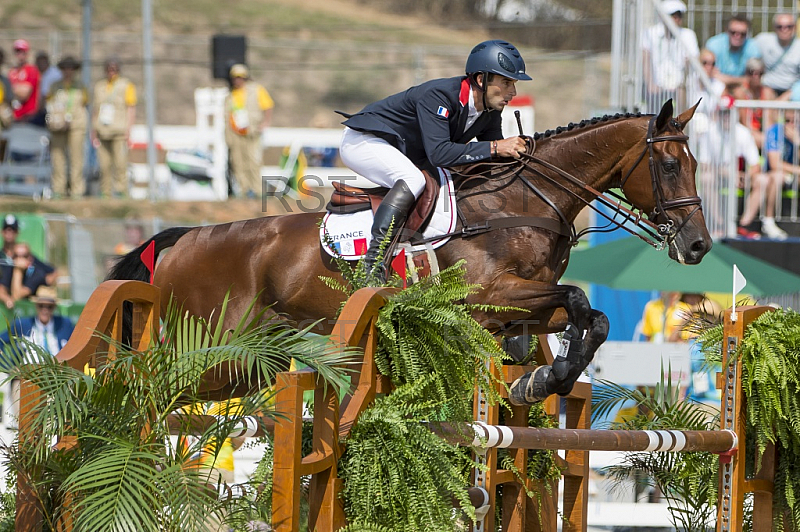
<point>126,473</point>
<point>770,356</point>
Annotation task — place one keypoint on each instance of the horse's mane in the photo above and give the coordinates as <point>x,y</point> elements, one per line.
<point>583,123</point>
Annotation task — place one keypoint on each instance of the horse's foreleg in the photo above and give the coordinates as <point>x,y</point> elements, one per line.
<point>552,308</point>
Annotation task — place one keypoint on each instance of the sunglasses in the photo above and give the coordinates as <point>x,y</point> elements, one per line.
<point>737,33</point>
<point>47,306</point>
<point>784,27</point>
<point>708,63</point>
<point>755,73</point>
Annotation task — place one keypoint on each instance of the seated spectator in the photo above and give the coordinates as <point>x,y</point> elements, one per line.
<point>661,318</point>
<point>780,149</point>
<point>46,329</point>
<point>781,53</point>
<point>732,50</point>
<point>762,184</point>
<point>28,274</point>
<point>10,233</point>
<point>709,96</point>
<point>754,89</point>
<point>134,237</point>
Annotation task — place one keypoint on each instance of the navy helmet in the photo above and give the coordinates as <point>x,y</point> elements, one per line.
<point>498,57</point>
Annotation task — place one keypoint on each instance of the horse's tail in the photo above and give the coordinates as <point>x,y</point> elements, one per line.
<point>131,267</point>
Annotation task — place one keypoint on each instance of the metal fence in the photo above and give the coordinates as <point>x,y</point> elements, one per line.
<point>724,183</point>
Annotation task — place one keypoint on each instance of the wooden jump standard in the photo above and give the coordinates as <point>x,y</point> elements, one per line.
<point>332,422</point>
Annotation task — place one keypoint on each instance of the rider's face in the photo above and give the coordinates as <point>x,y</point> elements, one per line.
<point>499,91</point>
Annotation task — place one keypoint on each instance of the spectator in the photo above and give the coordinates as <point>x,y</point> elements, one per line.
<point>24,79</point>
<point>763,185</point>
<point>5,85</point>
<point>114,114</point>
<point>10,233</point>
<point>661,319</point>
<point>780,149</point>
<point>732,50</point>
<point>28,273</point>
<point>67,120</point>
<point>134,237</point>
<point>754,89</point>
<point>249,111</point>
<point>48,73</point>
<point>781,53</point>
<point>6,113</point>
<point>48,331</point>
<point>666,57</point>
<point>709,96</point>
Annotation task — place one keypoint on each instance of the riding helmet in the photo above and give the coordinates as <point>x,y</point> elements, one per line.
<point>498,57</point>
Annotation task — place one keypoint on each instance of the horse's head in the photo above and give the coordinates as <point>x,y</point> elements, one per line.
<point>665,188</point>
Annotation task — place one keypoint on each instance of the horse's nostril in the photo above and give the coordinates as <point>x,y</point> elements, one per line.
<point>699,246</point>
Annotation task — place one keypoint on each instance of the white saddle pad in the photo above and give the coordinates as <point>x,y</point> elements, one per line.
<point>350,233</point>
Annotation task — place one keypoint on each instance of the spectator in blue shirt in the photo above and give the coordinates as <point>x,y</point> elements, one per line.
<point>780,149</point>
<point>732,49</point>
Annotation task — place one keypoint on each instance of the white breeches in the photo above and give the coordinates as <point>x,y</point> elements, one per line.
<point>380,162</point>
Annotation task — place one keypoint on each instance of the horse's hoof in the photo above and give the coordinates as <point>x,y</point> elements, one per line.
<point>531,388</point>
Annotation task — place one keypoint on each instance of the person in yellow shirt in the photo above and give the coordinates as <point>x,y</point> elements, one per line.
<point>248,109</point>
<point>663,318</point>
<point>113,116</point>
<point>67,120</point>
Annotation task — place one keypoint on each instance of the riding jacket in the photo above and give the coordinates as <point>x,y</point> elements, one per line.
<point>426,123</point>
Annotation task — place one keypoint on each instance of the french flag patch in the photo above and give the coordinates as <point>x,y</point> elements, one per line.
<point>442,112</point>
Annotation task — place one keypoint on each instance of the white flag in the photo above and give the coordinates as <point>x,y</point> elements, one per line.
<point>739,282</point>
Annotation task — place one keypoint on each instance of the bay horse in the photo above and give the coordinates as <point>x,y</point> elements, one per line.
<point>516,230</point>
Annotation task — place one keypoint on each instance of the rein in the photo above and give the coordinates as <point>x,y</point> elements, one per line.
<point>657,235</point>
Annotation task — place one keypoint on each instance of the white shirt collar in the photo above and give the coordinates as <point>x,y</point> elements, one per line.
<point>472,112</point>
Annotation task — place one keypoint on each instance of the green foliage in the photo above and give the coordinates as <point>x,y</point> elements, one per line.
<point>126,472</point>
<point>770,356</point>
<point>398,474</point>
<point>688,481</point>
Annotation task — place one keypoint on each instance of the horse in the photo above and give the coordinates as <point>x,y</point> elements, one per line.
<point>515,232</point>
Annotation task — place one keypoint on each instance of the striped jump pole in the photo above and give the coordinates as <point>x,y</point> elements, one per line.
<point>502,436</point>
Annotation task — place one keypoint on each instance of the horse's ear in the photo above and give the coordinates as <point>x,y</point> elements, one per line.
<point>664,116</point>
<point>687,115</point>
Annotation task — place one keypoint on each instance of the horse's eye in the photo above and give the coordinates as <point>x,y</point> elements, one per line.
<point>670,166</point>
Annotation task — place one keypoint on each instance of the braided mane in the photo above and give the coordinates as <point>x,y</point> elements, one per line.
<point>583,123</point>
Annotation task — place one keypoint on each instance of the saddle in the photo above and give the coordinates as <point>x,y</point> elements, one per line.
<point>347,199</point>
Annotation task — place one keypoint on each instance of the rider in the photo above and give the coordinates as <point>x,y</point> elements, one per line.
<point>428,126</point>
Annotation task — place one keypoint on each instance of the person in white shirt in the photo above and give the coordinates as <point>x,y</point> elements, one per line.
<point>666,57</point>
<point>780,51</point>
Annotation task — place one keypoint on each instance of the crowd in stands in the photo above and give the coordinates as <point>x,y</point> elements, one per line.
<point>739,67</point>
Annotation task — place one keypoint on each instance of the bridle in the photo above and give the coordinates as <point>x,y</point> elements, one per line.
<point>657,234</point>
<point>662,205</point>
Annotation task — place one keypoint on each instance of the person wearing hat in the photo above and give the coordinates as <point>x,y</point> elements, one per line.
<point>24,80</point>
<point>67,120</point>
<point>666,57</point>
<point>114,113</point>
<point>429,126</point>
<point>248,108</point>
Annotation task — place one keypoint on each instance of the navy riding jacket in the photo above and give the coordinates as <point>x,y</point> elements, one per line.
<point>426,123</point>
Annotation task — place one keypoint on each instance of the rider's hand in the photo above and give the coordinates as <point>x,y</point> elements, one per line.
<point>511,147</point>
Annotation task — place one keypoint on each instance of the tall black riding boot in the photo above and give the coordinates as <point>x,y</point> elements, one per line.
<point>395,206</point>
